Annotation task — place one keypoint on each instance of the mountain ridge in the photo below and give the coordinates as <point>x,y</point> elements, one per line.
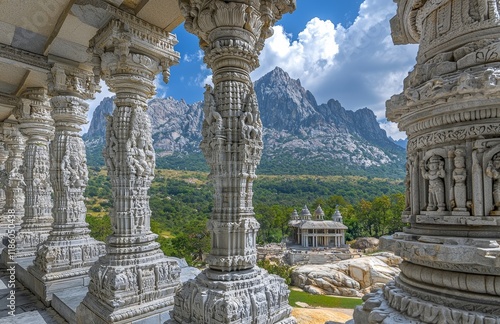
<point>300,135</point>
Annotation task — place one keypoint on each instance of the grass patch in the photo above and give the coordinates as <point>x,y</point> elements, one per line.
<point>323,300</point>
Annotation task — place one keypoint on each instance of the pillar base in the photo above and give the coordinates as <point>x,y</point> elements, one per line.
<point>27,242</point>
<point>95,312</point>
<point>126,290</point>
<point>63,264</point>
<point>393,304</point>
<point>248,296</point>
<point>447,280</point>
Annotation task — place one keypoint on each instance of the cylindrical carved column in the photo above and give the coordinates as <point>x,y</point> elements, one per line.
<point>69,251</point>
<point>37,125</point>
<point>450,111</point>
<point>134,279</point>
<point>4,154</point>
<point>15,143</point>
<point>232,34</point>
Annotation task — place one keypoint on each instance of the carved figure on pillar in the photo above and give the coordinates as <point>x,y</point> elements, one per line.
<point>459,178</point>
<point>36,123</point>
<point>407,187</point>
<point>134,280</point>
<point>232,33</point>
<point>434,172</point>
<point>493,171</point>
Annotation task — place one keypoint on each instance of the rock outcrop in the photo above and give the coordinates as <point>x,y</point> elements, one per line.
<point>364,243</point>
<point>350,278</point>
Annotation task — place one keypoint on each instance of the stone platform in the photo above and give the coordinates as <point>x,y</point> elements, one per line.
<point>30,310</point>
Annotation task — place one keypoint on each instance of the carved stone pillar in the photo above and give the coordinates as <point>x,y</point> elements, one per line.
<point>4,154</point>
<point>15,144</point>
<point>134,280</point>
<point>64,259</point>
<point>35,122</point>
<point>233,289</point>
<point>450,111</point>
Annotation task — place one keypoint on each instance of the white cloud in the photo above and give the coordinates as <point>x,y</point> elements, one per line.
<point>359,65</point>
<point>198,56</point>
<point>392,130</point>
<point>95,102</point>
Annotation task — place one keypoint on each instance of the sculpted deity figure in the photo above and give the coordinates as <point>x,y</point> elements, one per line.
<point>434,172</point>
<point>408,188</point>
<point>493,171</point>
<point>459,176</point>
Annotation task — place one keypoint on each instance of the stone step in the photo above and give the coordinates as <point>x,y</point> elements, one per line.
<point>65,302</point>
<point>33,317</point>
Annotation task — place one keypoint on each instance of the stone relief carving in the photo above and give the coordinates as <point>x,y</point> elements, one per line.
<point>493,171</point>
<point>141,156</point>
<point>435,173</point>
<point>459,202</point>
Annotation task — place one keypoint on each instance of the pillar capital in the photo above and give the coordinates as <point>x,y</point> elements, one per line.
<point>232,33</point>
<point>69,80</point>
<point>34,115</point>
<point>129,56</point>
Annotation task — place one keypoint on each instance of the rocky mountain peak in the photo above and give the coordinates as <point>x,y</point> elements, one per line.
<point>300,135</point>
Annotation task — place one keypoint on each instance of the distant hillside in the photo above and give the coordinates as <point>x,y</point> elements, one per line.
<point>300,136</point>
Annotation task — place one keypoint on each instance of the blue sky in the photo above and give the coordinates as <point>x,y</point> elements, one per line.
<point>339,49</point>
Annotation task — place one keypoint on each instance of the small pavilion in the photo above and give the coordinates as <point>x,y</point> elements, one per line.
<point>312,231</point>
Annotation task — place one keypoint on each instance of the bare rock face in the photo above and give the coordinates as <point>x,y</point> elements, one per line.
<point>350,278</point>
<point>364,243</point>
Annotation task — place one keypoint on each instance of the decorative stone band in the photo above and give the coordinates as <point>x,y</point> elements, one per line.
<point>442,252</point>
<point>399,303</point>
<point>443,91</point>
<point>443,24</point>
<point>466,283</point>
<point>452,135</point>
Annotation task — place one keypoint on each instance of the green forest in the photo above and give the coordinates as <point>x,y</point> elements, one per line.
<point>181,203</point>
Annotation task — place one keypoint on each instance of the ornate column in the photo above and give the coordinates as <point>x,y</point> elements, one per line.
<point>35,122</point>
<point>15,144</point>
<point>134,280</point>
<point>63,260</point>
<point>4,154</point>
<point>233,289</point>
<point>450,111</point>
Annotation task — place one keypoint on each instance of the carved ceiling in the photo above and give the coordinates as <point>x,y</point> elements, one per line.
<point>34,34</point>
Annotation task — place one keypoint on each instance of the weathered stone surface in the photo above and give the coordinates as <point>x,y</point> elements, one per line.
<point>353,278</point>
<point>363,243</point>
<point>450,248</point>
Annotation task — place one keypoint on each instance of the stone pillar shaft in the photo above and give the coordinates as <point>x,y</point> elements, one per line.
<point>232,33</point>
<point>63,260</point>
<point>36,124</point>
<point>134,280</point>
<point>4,154</point>
<point>14,188</point>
